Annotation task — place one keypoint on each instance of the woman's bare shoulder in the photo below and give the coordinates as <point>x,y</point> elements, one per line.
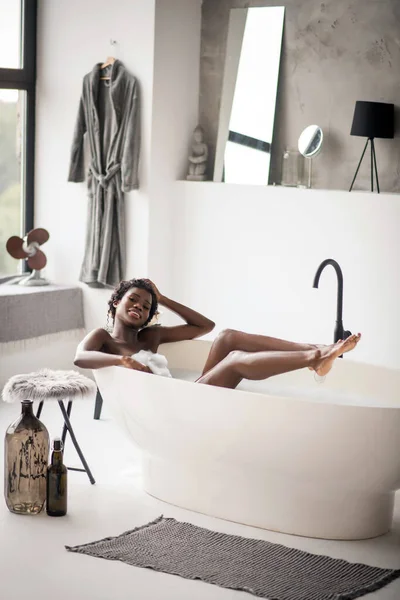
<point>96,337</point>
<point>100,333</point>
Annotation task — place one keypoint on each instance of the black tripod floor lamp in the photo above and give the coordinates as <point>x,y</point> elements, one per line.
<point>372,120</point>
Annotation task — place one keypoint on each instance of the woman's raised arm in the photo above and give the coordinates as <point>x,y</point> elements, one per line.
<point>196,323</point>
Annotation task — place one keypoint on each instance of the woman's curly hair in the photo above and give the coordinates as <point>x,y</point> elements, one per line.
<point>124,287</point>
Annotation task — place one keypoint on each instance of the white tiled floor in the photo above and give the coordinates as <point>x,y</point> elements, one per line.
<point>35,565</point>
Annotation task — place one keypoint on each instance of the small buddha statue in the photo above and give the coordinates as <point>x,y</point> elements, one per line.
<point>198,157</point>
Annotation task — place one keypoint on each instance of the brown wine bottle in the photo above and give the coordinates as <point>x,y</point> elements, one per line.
<point>57,482</point>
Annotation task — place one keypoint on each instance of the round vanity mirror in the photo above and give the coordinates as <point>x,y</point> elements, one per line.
<point>310,141</point>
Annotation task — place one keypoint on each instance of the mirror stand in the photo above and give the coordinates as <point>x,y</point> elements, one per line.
<point>310,145</point>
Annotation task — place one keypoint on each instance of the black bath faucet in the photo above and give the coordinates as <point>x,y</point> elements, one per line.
<point>339,333</point>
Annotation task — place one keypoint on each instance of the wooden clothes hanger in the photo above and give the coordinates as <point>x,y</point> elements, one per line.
<point>109,61</point>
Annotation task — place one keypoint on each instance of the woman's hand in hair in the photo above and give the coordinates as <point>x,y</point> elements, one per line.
<point>130,363</point>
<point>155,289</point>
<point>196,323</point>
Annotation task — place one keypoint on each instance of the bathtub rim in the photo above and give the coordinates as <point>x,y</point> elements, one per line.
<point>243,393</point>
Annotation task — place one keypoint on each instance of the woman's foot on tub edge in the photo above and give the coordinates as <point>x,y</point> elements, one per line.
<point>328,355</point>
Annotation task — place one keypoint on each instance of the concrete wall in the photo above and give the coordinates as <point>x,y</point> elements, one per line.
<point>334,53</point>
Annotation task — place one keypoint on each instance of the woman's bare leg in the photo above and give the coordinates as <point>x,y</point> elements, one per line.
<point>240,365</point>
<point>229,340</point>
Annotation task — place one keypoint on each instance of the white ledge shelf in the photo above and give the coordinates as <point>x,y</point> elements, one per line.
<point>281,189</point>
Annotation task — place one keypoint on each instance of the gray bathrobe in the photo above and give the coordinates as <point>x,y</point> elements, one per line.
<point>109,114</point>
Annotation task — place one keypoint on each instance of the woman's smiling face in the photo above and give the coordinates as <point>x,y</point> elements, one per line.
<point>134,307</point>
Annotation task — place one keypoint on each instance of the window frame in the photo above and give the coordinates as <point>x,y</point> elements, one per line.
<point>25,79</point>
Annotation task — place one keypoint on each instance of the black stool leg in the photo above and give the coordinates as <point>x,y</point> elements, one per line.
<point>65,428</point>
<point>75,442</point>
<point>39,410</point>
<point>98,406</point>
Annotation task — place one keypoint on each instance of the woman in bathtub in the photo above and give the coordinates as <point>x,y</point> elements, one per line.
<point>234,355</point>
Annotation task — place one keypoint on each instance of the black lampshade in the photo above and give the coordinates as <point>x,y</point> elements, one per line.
<point>373,120</point>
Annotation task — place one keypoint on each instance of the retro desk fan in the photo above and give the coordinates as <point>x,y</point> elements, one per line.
<point>29,248</point>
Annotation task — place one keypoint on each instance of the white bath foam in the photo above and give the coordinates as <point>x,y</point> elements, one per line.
<point>275,386</point>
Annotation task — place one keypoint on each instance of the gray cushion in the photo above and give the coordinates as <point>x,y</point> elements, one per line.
<point>47,384</point>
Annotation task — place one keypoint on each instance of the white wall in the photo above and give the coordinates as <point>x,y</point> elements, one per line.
<point>246,256</point>
<point>159,42</point>
<point>72,37</point>
<point>174,116</point>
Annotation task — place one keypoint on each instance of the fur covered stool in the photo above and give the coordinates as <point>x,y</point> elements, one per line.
<point>48,385</point>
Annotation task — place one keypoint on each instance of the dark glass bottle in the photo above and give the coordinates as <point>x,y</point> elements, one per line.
<point>26,456</point>
<point>57,482</point>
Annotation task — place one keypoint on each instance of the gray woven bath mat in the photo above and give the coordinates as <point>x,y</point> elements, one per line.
<point>261,568</point>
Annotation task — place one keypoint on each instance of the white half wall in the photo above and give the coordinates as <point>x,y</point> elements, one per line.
<point>246,257</point>
<point>54,351</point>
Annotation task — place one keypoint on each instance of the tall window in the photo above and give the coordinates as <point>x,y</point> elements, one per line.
<point>17,123</point>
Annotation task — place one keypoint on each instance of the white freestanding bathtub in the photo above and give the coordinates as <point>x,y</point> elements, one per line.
<point>286,454</point>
